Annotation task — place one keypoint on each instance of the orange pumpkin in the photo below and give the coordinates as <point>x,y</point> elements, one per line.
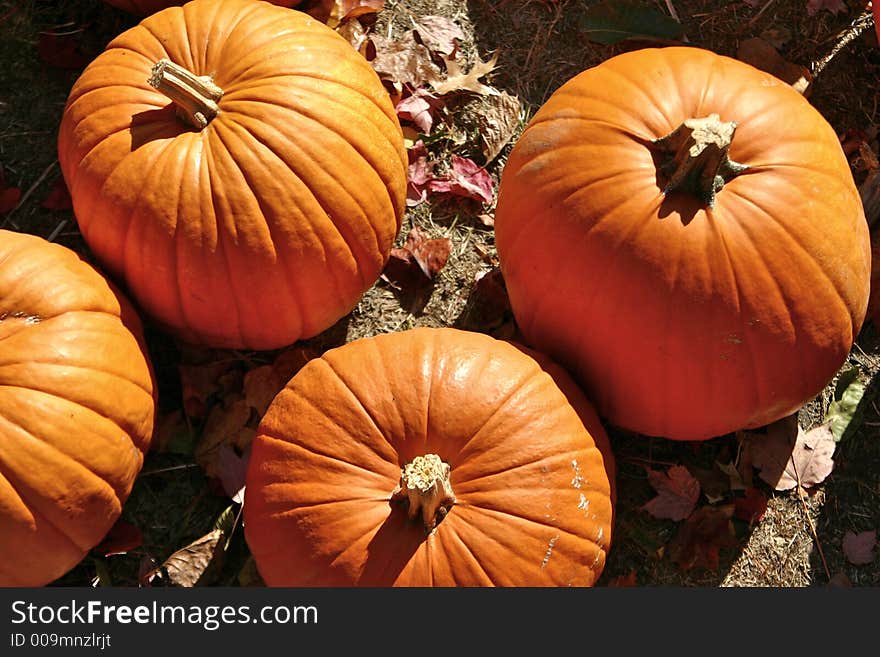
<point>77,404</point>
<point>147,7</point>
<point>697,282</point>
<point>430,457</point>
<point>258,206</point>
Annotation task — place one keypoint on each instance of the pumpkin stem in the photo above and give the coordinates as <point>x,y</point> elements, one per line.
<point>424,482</point>
<point>698,161</point>
<point>195,96</point>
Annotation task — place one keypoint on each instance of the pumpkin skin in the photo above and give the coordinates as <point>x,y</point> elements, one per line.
<point>267,225</point>
<point>77,406</point>
<point>531,468</point>
<point>682,320</point>
<point>147,7</point>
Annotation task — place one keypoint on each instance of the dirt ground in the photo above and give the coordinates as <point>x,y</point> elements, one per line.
<point>798,542</point>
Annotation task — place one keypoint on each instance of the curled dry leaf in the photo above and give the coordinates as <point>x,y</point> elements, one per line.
<point>498,121</point>
<point>859,548</point>
<point>403,61</point>
<point>429,254</point>
<point>787,455</point>
<point>418,108</point>
<point>677,493</point>
<point>465,178</point>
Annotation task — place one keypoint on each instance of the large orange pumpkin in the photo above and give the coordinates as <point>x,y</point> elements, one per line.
<point>77,404</point>
<point>256,208</point>
<point>696,281</point>
<point>430,457</point>
<point>147,7</point>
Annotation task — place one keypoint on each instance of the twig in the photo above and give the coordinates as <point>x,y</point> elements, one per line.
<point>855,29</point>
<point>57,230</point>
<point>172,468</point>
<point>27,194</point>
<point>672,12</point>
<point>760,11</point>
<point>800,491</point>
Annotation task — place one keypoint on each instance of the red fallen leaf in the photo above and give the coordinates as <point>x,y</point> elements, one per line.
<point>61,49</point>
<point>9,196</point>
<point>834,6</point>
<point>58,197</point>
<point>123,537</point>
<point>701,538</point>
<point>465,178</point>
<point>859,548</point>
<point>419,174</point>
<point>677,493</point>
<point>431,254</point>
<point>624,580</point>
<point>752,507</point>
<point>418,108</point>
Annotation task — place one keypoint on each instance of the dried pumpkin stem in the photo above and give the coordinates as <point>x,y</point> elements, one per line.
<point>195,96</point>
<point>424,483</point>
<point>698,160</point>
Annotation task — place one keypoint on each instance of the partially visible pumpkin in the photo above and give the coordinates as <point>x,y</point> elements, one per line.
<point>258,206</point>
<point>77,405</point>
<point>696,281</point>
<point>430,457</point>
<point>147,7</point>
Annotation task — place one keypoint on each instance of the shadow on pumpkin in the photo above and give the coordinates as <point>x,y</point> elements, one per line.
<point>152,125</point>
<point>392,548</point>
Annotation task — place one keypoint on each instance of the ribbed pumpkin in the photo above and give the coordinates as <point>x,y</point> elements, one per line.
<point>430,457</point>
<point>696,281</point>
<point>77,404</point>
<point>258,206</point>
<point>147,7</point>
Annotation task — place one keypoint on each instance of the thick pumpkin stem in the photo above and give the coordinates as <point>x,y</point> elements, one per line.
<point>424,483</point>
<point>195,96</point>
<point>697,160</point>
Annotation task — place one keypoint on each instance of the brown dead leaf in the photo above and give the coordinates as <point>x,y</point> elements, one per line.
<point>487,309</point>
<point>226,424</point>
<point>291,360</point>
<point>194,565</point>
<point>787,455</point>
<point>200,383</point>
<point>859,548</point>
<point>403,61</point>
<point>261,384</point>
<point>356,34</point>
<point>439,34</point>
<point>429,254</point>
<point>677,493</point>
<point>457,80</point>
<point>700,539</point>
<point>762,55</point>
<point>498,120</point>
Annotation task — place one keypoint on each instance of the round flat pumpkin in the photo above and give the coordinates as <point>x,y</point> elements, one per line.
<point>239,167</point>
<point>682,231</point>
<point>430,457</point>
<point>77,406</point>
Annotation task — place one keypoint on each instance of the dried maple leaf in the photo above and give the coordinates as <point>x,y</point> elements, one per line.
<point>834,6</point>
<point>700,539</point>
<point>58,197</point>
<point>465,178</point>
<point>457,80</point>
<point>787,455</point>
<point>677,493</point>
<point>859,548</point>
